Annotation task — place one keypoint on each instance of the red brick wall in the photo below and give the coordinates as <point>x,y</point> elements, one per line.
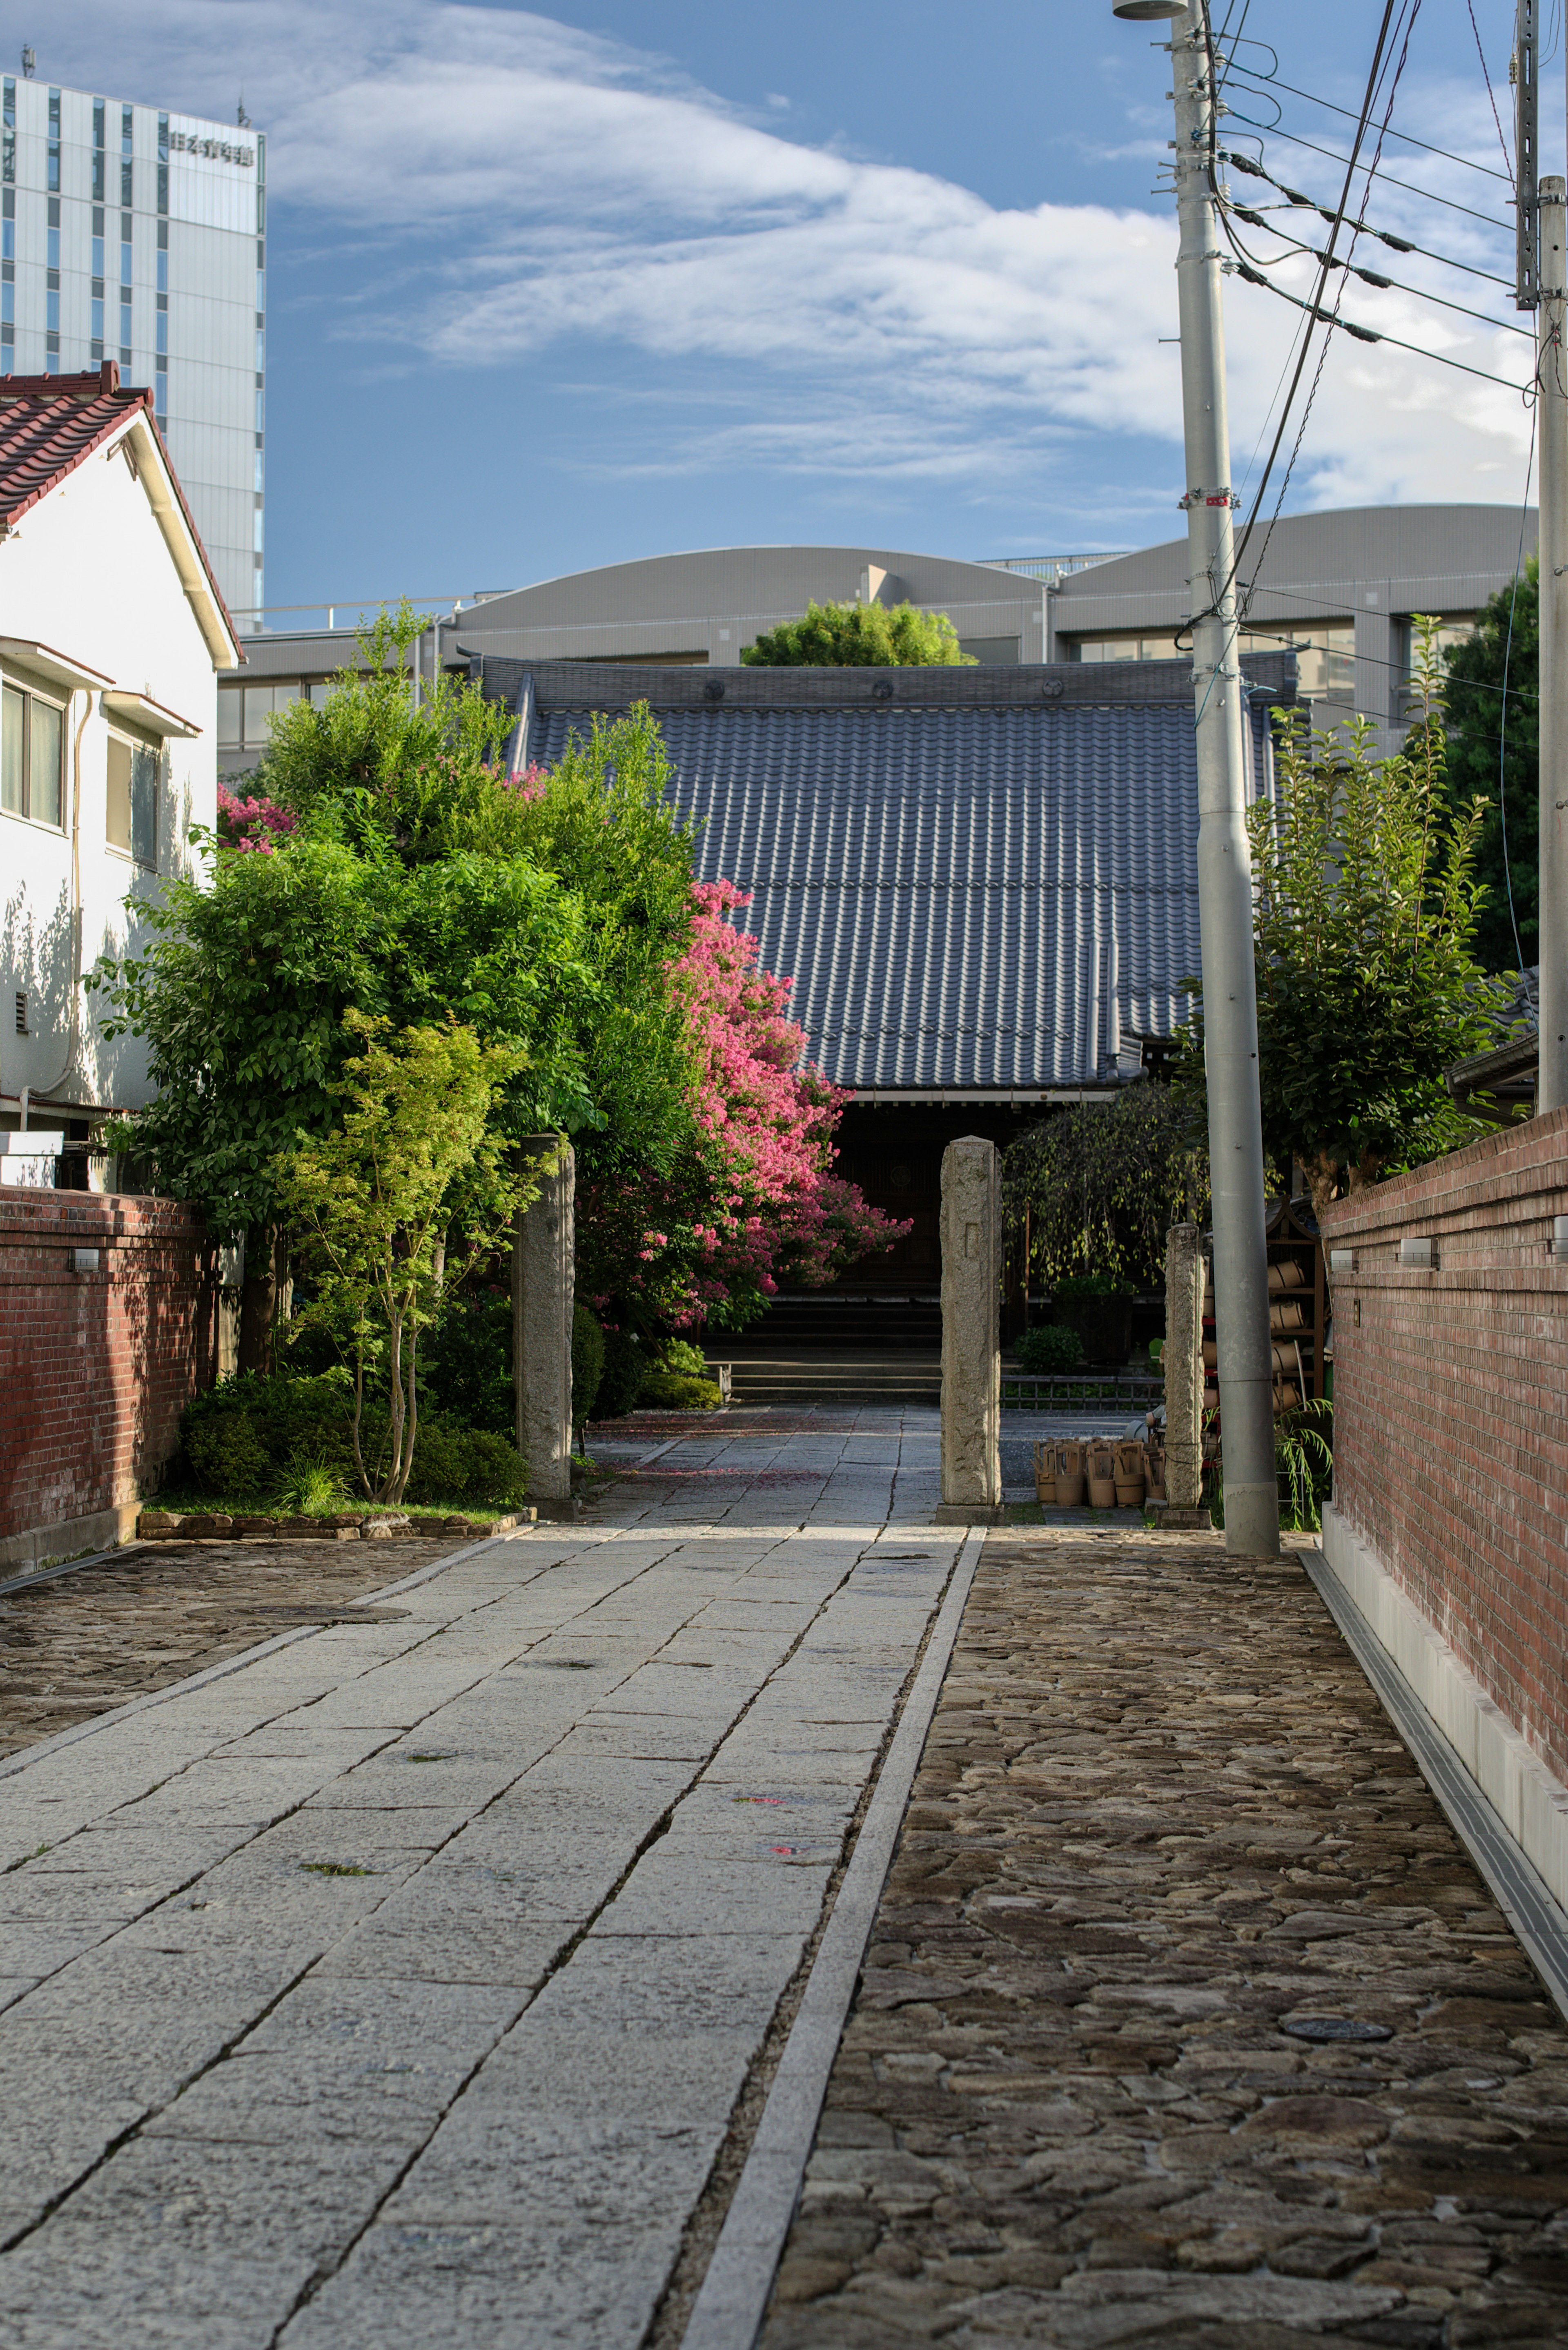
<point>1450,1392</point>
<point>95,1367</point>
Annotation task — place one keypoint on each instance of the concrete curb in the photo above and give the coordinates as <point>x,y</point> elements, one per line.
<point>730,2308</point>
<point>1517,1886</point>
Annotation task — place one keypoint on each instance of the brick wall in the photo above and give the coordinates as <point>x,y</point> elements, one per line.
<point>96,1366</point>
<point>1450,1392</point>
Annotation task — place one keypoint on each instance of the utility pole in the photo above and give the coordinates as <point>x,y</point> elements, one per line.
<point>1552,432</point>
<point>1540,287</point>
<point>1224,858</point>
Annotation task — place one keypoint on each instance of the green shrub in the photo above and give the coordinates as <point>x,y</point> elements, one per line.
<point>239,1438</point>
<point>626,1366</point>
<point>227,1453</point>
<point>1094,1285</point>
<point>587,1363</point>
<point>289,1440</point>
<point>466,1360</point>
<point>680,1355</point>
<point>454,1464</point>
<point>497,1471</point>
<point>677,1391</point>
<point>1048,1349</point>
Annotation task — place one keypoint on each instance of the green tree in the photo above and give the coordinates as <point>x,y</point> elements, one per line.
<point>373,1202</point>
<point>1102,1182</point>
<point>1497,763</point>
<point>1366,902</point>
<point>859,636</point>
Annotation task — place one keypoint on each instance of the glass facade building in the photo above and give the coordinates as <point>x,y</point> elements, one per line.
<point>134,235</point>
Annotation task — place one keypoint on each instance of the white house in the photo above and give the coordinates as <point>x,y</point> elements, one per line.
<point>112,632</point>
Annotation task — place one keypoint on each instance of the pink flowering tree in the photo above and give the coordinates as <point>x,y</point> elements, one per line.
<point>755,1202</point>
<point>254,824</point>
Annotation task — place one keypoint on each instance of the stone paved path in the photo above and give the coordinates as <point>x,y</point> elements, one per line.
<point>1161,1826</point>
<point>392,1986</point>
<point>81,1644</point>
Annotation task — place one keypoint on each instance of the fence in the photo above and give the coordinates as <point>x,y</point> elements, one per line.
<point>1450,1365</point>
<point>107,1328</point>
<point>1070,1390</point>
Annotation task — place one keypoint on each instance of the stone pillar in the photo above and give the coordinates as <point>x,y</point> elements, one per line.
<point>972,1354</point>
<point>542,1271</point>
<point>1184,1292</point>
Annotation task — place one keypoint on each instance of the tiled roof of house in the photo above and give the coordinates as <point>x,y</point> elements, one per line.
<point>50,423</point>
<point>991,890</point>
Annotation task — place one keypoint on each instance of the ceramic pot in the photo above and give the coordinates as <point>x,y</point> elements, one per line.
<point>1044,1474</point>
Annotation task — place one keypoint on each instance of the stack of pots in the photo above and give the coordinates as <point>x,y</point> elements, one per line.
<point>1108,1476</point>
<point>1069,1464</point>
<point>1131,1474</point>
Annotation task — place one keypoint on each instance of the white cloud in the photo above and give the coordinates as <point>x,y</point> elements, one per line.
<point>543,183</point>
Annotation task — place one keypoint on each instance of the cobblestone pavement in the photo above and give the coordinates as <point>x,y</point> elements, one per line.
<point>80,1644</point>
<point>1162,1829</point>
<point>392,1985</point>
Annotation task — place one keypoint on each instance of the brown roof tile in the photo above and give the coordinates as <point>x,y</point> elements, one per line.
<point>50,423</point>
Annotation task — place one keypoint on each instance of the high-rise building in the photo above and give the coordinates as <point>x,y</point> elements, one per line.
<point>140,236</point>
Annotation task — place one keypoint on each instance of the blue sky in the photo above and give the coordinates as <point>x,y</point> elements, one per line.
<point>553,289</point>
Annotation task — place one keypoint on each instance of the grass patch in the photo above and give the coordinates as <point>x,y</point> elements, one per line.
<point>184,1502</point>
<point>336,1869</point>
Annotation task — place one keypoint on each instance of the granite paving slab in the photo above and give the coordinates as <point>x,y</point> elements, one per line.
<point>397,1983</point>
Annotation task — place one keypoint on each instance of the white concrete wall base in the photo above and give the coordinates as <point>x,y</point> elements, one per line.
<point>1530,1800</point>
<point>100,1530</point>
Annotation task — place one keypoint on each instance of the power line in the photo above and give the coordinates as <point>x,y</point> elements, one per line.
<point>1305,645</point>
<point>1496,118</point>
<point>1372,278</point>
<point>1376,334</point>
<point>1389,180</point>
<point>1272,81</point>
<point>1372,78</point>
<point>1298,201</point>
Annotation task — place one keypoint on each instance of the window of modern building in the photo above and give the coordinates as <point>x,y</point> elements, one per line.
<point>126,144</point>
<point>244,712</point>
<point>1324,650</point>
<point>8,130</point>
<point>131,824</point>
<point>1453,628</point>
<point>99,164</point>
<point>1125,648</point>
<point>32,756</point>
<point>54,155</point>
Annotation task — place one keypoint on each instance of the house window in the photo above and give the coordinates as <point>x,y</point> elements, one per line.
<point>132,811</point>
<point>32,756</point>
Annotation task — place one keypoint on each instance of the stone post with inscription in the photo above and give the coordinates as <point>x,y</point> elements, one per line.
<point>972,1353</point>
<point>542,1276</point>
<point>1185,1284</point>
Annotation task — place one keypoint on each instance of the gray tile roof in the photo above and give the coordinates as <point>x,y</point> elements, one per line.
<point>989,893</point>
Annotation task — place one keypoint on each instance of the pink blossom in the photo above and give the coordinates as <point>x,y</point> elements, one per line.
<point>775,1209</point>
<point>252,824</point>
